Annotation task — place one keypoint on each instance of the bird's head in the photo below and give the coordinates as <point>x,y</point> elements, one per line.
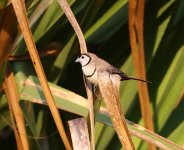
<point>83,59</point>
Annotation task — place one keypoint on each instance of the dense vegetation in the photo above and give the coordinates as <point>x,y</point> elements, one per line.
<point>105,27</point>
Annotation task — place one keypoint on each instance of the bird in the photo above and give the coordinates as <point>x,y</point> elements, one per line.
<point>92,65</point>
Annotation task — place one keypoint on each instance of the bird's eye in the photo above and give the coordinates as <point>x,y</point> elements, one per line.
<point>82,57</point>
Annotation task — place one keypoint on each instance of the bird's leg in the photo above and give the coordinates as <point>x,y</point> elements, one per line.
<point>89,89</point>
<point>97,99</point>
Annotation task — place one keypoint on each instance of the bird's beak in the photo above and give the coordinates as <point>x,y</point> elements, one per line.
<point>77,60</point>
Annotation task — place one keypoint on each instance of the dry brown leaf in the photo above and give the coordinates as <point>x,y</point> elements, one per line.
<point>109,88</point>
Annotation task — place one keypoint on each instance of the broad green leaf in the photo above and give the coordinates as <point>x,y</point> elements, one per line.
<point>70,99</point>
<point>110,22</point>
<point>32,92</point>
<point>61,61</point>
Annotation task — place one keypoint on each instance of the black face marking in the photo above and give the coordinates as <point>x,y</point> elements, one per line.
<point>91,74</point>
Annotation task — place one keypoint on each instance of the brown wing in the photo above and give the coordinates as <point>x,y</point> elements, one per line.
<point>105,66</point>
<point>114,70</point>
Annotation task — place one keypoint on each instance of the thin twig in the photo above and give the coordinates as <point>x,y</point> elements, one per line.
<point>13,125</point>
<point>7,26</point>
<point>68,12</point>
<point>13,98</point>
<point>20,12</point>
<point>42,6</point>
<point>66,8</point>
<point>136,19</point>
<point>52,52</point>
<point>91,112</point>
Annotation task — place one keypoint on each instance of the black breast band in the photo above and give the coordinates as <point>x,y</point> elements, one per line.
<point>91,74</point>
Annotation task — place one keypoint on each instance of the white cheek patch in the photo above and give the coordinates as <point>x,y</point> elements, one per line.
<point>85,61</point>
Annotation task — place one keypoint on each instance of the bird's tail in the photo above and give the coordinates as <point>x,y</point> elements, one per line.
<point>129,78</point>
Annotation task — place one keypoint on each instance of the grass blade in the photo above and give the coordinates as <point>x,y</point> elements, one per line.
<point>19,8</point>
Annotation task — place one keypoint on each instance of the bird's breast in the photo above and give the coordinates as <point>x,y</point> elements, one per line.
<point>91,74</point>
